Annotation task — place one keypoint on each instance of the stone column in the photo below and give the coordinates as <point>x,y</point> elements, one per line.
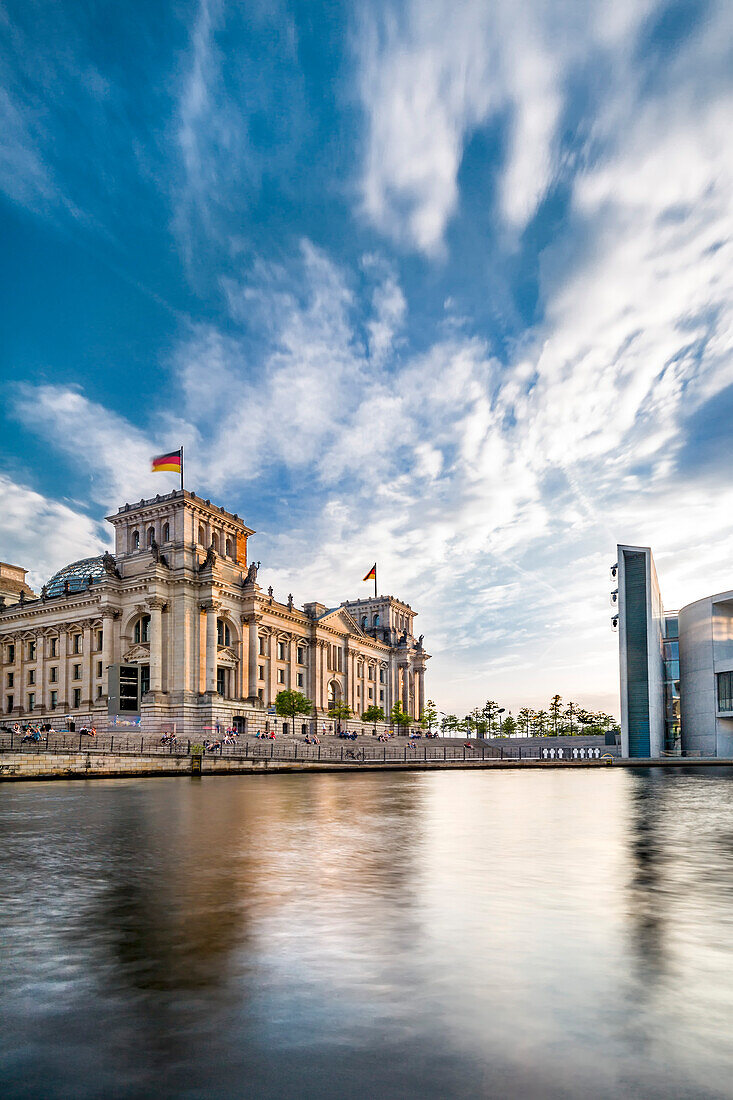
<point>212,610</point>
<point>405,688</point>
<point>155,606</point>
<point>419,691</point>
<point>86,664</point>
<point>272,671</point>
<point>290,680</point>
<point>108,617</point>
<point>41,642</point>
<point>63,688</point>
<point>253,655</point>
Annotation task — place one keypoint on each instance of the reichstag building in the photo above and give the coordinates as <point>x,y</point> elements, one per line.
<point>173,627</point>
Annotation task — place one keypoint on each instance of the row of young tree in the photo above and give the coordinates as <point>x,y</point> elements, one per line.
<point>292,704</point>
<point>491,720</point>
<point>560,719</point>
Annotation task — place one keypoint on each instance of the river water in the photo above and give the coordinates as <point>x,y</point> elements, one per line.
<point>442,934</point>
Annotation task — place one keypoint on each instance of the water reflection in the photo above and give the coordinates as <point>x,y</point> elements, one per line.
<point>562,934</point>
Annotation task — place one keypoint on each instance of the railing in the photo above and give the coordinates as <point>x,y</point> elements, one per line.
<point>263,749</point>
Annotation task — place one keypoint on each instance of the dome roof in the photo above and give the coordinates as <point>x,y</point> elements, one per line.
<point>77,574</point>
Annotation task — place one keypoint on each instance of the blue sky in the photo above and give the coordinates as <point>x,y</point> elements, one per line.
<point>445,285</point>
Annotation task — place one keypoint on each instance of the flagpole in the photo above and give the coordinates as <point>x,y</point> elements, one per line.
<point>375,580</point>
<point>181,467</point>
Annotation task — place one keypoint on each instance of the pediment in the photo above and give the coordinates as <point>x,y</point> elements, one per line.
<point>137,653</point>
<point>343,620</point>
<point>225,656</point>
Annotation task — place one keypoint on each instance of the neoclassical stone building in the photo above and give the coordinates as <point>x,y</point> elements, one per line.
<point>175,628</point>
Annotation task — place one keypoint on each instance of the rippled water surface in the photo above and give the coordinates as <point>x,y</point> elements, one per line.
<point>445,934</point>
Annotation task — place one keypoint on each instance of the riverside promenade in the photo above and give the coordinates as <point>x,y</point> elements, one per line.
<point>75,756</point>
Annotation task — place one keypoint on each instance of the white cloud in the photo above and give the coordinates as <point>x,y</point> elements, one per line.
<point>44,535</point>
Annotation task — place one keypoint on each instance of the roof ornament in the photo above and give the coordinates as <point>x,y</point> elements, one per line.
<point>251,577</point>
<point>290,601</point>
<point>110,565</point>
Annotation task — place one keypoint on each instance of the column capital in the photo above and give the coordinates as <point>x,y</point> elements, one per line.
<point>157,603</point>
<point>109,613</point>
<point>210,606</point>
<point>250,618</point>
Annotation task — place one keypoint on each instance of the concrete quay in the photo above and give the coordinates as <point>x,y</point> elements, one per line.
<point>23,766</point>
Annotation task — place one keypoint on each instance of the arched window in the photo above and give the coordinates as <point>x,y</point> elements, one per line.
<point>135,540</point>
<point>229,551</point>
<point>375,620</point>
<point>215,543</point>
<point>364,621</point>
<point>223,633</point>
<point>202,534</point>
<point>141,632</point>
<point>166,532</point>
<point>151,536</point>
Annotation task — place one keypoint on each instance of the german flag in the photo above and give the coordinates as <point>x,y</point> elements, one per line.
<point>171,460</point>
<point>372,574</point>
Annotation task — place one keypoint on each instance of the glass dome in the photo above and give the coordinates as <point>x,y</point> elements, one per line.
<point>77,574</point>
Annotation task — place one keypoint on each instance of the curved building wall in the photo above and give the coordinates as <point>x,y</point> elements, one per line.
<point>706,650</point>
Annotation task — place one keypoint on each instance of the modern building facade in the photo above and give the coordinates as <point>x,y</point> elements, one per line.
<point>676,668</point>
<point>173,627</point>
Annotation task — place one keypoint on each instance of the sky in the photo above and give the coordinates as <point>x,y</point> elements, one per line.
<point>441,285</point>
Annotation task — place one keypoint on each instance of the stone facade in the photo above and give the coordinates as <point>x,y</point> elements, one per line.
<point>178,604</point>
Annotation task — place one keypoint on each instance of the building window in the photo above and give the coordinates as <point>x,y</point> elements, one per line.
<point>31,651</point>
<point>53,674</point>
<point>99,668</point>
<point>202,535</point>
<point>166,532</point>
<point>300,679</point>
<point>54,700</point>
<point>77,698</point>
<point>725,691</point>
<point>54,647</point>
<point>99,691</point>
<point>31,700</point>
<point>151,536</point>
<point>9,704</point>
<point>301,655</point>
<point>135,540</point>
<point>281,651</point>
<point>11,654</point>
<point>364,621</point>
<point>262,647</point>
<point>381,675</point>
<point>375,620</point>
<point>76,647</point>
<point>215,543</point>
<point>370,694</point>
<point>11,679</point>
<point>281,676</point>
<point>141,632</point>
<point>76,672</point>
<point>31,676</point>
<point>260,672</point>
<point>229,548</point>
<point>223,634</point>
<point>100,638</point>
<point>358,689</point>
<point>260,694</point>
<point>144,679</point>
<point>381,697</point>
<point>221,681</point>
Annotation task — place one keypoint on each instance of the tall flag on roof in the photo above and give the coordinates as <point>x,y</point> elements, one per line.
<point>372,576</point>
<point>170,461</point>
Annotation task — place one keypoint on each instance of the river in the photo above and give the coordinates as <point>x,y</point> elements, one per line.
<point>442,934</point>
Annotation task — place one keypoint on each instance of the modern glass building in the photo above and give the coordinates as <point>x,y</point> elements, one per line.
<point>676,668</point>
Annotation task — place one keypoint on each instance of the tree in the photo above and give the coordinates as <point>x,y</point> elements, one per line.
<point>569,711</point>
<point>340,711</point>
<point>525,718</point>
<point>449,724</point>
<point>490,711</point>
<point>540,721</point>
<point>373,714</point>
<point>398,716</point>
<point>289,704</point>
<point>508,727</point>
<point>429,715</point>
<point>555,708</point>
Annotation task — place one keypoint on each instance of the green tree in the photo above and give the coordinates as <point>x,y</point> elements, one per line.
<point>449,724</point>
<point>373,714</point>
<point>555,711</point>
<point>490,711</point>
<point>399,717</point>
<point>570,712</point>
<point>341,711</point>
<point>289,704</point>
<point>429,715</point>
<point>540,722</point>
<point>508,727</point>
<point>525,718</point>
